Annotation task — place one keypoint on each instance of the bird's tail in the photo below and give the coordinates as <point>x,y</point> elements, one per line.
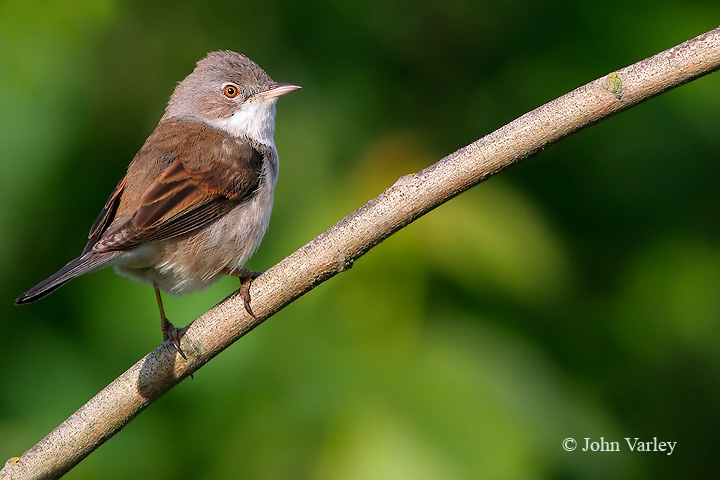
<point>87,263</point>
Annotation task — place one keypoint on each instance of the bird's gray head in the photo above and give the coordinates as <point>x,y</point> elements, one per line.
<point>230,92</point>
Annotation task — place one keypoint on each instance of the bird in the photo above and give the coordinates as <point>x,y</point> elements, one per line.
<point>196,200</point>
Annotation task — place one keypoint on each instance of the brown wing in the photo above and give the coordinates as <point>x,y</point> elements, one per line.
<point>105,218</point>
<point>186,176</point>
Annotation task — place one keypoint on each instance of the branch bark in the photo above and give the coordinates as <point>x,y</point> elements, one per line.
<point>336,249</point>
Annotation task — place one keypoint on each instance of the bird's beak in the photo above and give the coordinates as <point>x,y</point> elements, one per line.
<point>279,89</point>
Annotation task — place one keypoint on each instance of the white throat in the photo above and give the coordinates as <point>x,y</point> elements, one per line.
<point>255,120</point>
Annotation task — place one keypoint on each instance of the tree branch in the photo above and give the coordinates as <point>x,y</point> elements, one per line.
<point>336,249</point>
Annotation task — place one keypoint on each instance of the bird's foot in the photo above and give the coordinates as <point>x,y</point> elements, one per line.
<point>172,334</point>
<point>246,277</point>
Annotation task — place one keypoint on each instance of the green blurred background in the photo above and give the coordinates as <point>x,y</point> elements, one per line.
<point>576,295</point>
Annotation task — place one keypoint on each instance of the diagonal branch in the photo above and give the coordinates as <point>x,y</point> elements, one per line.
<point>336,249</point>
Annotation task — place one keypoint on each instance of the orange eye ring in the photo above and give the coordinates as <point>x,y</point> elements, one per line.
<point>231,90</point>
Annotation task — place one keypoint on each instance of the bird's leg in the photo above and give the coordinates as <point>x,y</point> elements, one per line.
<point>246,277</point>
<point>168,329</point>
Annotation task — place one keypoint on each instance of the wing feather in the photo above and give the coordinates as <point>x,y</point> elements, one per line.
<point>201,175</point>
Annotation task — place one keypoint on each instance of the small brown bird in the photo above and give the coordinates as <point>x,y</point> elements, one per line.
<point>196,199</point>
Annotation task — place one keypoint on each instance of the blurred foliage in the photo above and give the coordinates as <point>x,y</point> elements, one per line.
<point>575,295</point>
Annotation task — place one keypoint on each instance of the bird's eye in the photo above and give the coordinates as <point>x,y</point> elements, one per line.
<point>230,90</point>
